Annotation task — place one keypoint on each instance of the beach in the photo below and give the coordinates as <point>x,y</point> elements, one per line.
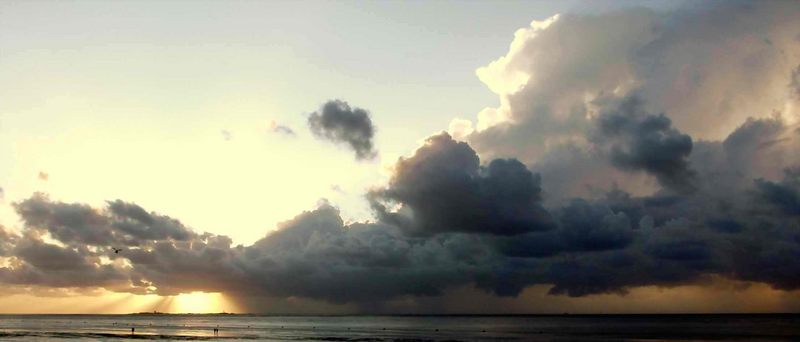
<point>778,327</point>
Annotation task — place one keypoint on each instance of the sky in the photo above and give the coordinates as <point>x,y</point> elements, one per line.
<point>151,86</point>
<point>398,157</point>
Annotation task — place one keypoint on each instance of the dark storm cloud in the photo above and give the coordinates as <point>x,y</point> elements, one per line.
<point>586,227</point>
<point>669,255</point>
<point>582,227</point>
<point>314,255</point>
<point>443,188</point>
<point>336,121</point>
<point>784,195</point>
<point>706,233</point>
<point>603,246</point>
<point>637,140</point>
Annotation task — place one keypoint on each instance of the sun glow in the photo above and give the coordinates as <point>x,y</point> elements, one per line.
<point>105,302</point>
<point>198,302</point>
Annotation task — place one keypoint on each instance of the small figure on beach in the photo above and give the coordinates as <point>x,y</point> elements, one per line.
<point>216,331</point>
<point>132,331</point>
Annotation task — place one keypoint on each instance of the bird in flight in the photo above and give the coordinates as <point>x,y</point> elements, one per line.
<point>116,250</point>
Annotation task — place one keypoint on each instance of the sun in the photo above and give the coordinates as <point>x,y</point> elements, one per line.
<point>197,302</point>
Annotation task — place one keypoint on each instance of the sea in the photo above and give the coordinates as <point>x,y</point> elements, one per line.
<point>728,327</point>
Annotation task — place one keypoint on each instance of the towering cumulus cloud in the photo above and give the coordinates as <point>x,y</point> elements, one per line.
<point>629,149</point>
<point>336,121</point>
<point>707,67</point>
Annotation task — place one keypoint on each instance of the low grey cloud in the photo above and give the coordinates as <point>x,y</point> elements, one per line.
<point>316,256</point>
<point>443,188</point>
<point>636,140</point>
<point>337,122</point>
<point>783,195</point>
<point>163,255</point>
<point>121,224</point>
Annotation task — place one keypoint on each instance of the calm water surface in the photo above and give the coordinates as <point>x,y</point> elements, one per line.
<point>404,328</point>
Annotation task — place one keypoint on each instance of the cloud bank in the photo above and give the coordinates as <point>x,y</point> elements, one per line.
<point>492,233</point>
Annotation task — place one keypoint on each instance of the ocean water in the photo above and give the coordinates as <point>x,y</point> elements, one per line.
<point>403,328</point>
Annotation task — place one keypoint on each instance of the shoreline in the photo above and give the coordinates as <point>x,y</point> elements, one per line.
<point>584,315</point>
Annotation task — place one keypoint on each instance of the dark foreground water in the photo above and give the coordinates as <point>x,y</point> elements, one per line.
<point>404,328</point>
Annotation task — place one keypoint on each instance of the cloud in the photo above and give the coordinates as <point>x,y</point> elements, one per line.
<point>121,224</point>
<point>226,134</point>
<point>43,176</point>
<point>47,265</point>
<point>70,223</point>
<point>706,67</point>
<point>338,189</point>
<point>337,122</point>
<point>315,256</point>
<point>443,188</point>
<point>459,129</point>
<point>274,127</point>
<point>783,195</point>
<point>136,223</point>
<point>637,140</point>
<point>163,256</point>
<point>7,241</point>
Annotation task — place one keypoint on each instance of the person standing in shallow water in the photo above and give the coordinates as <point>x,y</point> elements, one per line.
<point>132,330</point>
